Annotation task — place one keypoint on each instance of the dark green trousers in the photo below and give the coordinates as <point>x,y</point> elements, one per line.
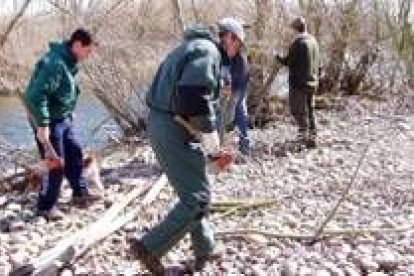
<point>185,167</point>
<point>301,102</point>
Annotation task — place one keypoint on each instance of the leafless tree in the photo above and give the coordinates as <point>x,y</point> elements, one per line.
<point>13,22</point>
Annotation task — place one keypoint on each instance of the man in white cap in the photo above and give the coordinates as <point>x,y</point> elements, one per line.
<point>232,37</point>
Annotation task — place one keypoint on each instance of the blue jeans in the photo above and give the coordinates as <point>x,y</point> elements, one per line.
<point>63,140</point>
<point>237,114</point>
<point>240,120</point>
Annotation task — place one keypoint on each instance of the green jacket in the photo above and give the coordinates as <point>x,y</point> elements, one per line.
<point>52,91</point>
<point>192,65</point>
<point>303,62</point>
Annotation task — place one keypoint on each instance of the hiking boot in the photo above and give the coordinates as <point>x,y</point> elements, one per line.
<point>23,270</point>
<point>176,270</point>
<point>85,200</point>
<point>244,150</point>
<point>311,144</point>
<point>152,263</point>
<point>53,214</point>
<point>200,262</point>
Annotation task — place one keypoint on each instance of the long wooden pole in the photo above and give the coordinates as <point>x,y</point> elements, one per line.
<point>345,193</point>
<point>78,243</point>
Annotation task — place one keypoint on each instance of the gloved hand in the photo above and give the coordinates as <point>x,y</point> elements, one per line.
<point>210,143</point>
<point>221,161</point>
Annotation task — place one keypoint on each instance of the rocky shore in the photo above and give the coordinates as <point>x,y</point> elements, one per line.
<point>306,185</point>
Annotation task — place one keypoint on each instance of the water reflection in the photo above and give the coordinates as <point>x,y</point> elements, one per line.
<point>89,113</point>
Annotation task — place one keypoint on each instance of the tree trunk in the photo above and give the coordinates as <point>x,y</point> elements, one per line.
<point>178,18</point>
<point>258,97</point>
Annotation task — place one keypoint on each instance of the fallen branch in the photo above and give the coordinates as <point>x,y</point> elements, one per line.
<point>267,234</point>
<point>230,203</point>
<point>116,224</point>
<point>78,243</point>
<point>274,70</point>
<point>228,211</point>
<point>342,199</point>
<point>326,234</point>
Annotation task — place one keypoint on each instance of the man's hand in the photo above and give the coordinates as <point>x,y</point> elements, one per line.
<point>222,161</point>
<point>211,144</point>
<point>42,134</point>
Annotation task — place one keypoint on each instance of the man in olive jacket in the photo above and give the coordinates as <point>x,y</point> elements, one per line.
<point>186,83</point>
<point>50,98</point>
<point>303,63</point>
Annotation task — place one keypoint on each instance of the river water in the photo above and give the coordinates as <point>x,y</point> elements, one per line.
<point>89,114</point>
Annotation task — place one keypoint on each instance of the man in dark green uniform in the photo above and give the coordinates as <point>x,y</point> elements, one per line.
<point>187,84</point>
<point>50,98</point>
<point>303,63</point>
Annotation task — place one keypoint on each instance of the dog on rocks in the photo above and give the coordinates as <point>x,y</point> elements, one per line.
<point>91,171</point>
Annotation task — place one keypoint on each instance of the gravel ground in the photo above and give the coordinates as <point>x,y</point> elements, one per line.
<point>306,186</point>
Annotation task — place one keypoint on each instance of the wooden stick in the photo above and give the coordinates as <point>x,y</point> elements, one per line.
<point>242,232</point>
<point>51,254</point>
<point>116,224</point>
<point>241,207</point>
<point>224,105</point>
<point>326,234</point>
<point>364,231</point>
<point>229,212</point>
<point>188,127</point>
<point>90,235</point>
<point>274,70</point>
<point>342,199</point>
<point>230,203</point>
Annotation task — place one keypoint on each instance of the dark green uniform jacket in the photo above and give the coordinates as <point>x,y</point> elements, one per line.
<point>52,92</point>
<point>188,80</point>
<point>303,62</point>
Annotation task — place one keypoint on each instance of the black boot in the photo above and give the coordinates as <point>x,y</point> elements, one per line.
<point>200,262</point>
<point>311,143</point>
<point>151,262</point>
<point>311,140</point>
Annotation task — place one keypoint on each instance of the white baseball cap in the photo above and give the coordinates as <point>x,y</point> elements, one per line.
<point>230,24</point>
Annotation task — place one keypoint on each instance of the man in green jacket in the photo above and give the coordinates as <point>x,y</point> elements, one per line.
<point>186,84</point>
<point>50,98</point>
<point>303,63</point>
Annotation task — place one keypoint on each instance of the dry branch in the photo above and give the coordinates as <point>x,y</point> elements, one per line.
<point>79,242</point>
<point>13,22</point>
<point>178,17</point>
<point>326,234</point>
<point>342,199</point>
<point>116,224</point>
<point>264,92</point>
<point>229,208</point>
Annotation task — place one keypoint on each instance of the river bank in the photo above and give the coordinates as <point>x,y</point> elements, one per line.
<point>306,186</point>
<point>89,115</point>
